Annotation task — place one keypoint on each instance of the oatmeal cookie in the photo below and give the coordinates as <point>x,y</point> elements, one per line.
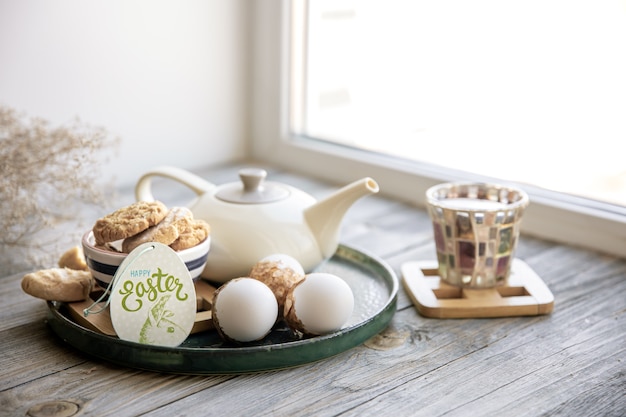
<point>166,231</point>
<point>58,284</point>
<point>195,232</point>
<point>110,246</point>
<point>128,221</point>
<point>73,258</point>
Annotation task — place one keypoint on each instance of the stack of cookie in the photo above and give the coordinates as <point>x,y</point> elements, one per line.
<point>152,221</point>
<point>119,232</point>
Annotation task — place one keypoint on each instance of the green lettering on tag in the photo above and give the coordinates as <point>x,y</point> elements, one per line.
<point>153,300</point>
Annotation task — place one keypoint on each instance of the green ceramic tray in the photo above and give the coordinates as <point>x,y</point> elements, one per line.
<point>373,283</point>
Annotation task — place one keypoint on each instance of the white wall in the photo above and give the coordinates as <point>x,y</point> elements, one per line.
<point>168,77</point>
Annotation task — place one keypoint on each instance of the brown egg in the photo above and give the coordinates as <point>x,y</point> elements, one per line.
<point>279,272</point>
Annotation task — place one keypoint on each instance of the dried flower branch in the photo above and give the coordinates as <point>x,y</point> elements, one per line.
<point>48,175</point>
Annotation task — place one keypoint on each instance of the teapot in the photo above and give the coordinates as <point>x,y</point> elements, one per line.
<point>253,218</point>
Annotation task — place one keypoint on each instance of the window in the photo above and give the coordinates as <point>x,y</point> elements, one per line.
<point>345,101</point>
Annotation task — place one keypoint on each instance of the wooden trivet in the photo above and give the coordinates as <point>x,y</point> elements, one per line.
<point>101,322</point>
<point>525,294</point>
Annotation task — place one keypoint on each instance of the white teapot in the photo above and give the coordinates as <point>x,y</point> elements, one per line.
<point>253,218</point>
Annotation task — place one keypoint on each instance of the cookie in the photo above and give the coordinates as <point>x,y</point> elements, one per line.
<point>110,246</point>
<point>196,231</point>
<point>128,221</point>
<point>58,284</point>
<point>73,259</point>
<point>166,231</point>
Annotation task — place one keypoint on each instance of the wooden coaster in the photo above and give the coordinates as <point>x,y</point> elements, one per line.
<point>101,322</point>
<point>525,294</point>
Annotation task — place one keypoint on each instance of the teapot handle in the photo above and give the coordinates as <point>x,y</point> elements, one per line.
<point>197,184</point>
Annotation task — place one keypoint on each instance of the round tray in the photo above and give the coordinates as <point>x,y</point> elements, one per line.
<point>373,283</point>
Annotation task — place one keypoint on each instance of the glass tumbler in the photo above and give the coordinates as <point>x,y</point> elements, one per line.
<point>476,228</point>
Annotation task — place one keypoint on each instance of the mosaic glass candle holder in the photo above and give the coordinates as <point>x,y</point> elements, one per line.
<point>476,229</point>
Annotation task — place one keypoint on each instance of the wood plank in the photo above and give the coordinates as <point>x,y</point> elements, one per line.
<point>99,320</point>
<point>31,352</point>
<point>17,307</point>
<point>103,389</point>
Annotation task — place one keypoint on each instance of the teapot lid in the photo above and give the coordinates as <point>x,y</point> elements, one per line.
<point>252,189</point>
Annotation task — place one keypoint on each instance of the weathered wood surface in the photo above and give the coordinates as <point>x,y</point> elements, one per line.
<point>571,362</point>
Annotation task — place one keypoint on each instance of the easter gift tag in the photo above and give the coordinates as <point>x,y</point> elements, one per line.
<point>153,300</point>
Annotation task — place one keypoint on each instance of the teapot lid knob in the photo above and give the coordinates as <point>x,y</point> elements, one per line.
<point>252,178</point>
<point>252,189</point>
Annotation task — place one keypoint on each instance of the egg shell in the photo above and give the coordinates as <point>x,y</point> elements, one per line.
<point>244,310</point>
<point>285,261</point>
<point>279,272</point>
<point>321,303</point>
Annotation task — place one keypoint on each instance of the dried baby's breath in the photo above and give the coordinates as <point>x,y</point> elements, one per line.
<point>49,176</point>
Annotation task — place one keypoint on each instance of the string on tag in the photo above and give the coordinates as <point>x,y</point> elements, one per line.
<point>112,284</point>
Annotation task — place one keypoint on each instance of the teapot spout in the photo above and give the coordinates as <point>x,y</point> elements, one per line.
<point>324,218</point>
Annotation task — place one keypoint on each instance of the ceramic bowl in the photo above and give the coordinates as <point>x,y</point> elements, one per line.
<point>104,263</point>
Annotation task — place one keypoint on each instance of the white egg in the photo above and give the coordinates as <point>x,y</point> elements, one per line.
<point>244,310</point>
<point>321,303</point>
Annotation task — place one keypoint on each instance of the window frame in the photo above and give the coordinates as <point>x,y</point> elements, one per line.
<point>551,216</point>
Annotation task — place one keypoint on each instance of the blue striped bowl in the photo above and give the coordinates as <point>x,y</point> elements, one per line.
<point>104,263</point>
